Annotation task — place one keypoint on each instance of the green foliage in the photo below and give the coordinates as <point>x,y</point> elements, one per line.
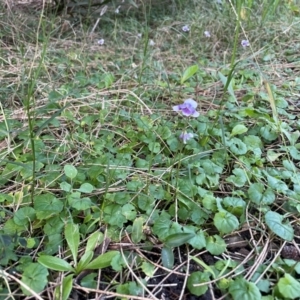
<point>225,222</point>
<point>94,174</point>
<point>35,277</point>
<point>54,263</point>
<point>197,278</point>
<point>275,224</point>
<point>241,289</point>
<point>289,287</point>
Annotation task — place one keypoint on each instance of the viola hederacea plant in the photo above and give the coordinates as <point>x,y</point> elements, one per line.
<point>187,108</point>
<point>245,43</point>
<point>185,136</point>
<point>185,28</point>
<point>207,33</point>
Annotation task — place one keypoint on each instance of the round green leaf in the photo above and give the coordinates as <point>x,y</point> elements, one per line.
<point>35,277</point>
<point>67,187</point>
<point>239,129</point>
<point>215,245</point>
<point>255,192</point>
<point>196,278</point>
<point>70,171</point>
<point>225,222</point>
<point>86,188</point>
<point>238,147</point>
<point>289,287</point>
<point>283,230</point>
<point>239,178</point>
<point>242,289</point>
<point>154,147</point>
<point>24,215</point>
<point>48,203</point>
<point>148,269</point>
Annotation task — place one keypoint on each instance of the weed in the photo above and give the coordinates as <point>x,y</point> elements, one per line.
<point>151,151</point>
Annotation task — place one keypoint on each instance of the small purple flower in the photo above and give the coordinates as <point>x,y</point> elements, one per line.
<point>188,108</point>
<point>185,28</point>
<point>245,43</point>
<point>184,136</point>
<point>100,42</point>
<point>207,33</point>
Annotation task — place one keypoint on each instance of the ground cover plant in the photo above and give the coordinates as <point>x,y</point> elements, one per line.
<point>150,151</point>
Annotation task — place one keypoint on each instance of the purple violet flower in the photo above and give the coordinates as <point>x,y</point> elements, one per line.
<point>207,33</point>
<point>184,136</point>
<point>100,42</point>
<point>185,28</point>
<point>245,43</point>
<point>188,108</point>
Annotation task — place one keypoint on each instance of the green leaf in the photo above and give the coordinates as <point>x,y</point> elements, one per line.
<point>253,143</point>
<point>283,230</point>
<point>86,188</point>
<point>237,146</point>
<point>55,263</point>
<point>241,289</point>
<point>72,237</point>
<point>129,212</point>
<point>289,287</point>
<point>47,205</point>
<point>62,292</point>
<point>234,205</point>
<point>109,79</point>
<point>84,261</point>
<point>154,147</point>
<point>113,215</point>
<point>65,186</point>
<point>238,129</point>
<point>225,222</point>
<point>188,73</point>
<point>167,257</point>
<point>198,241</point>
<point>268,133</point>
<point>35,277</point>
<point>70,171</point>
<point>239,178</point>
<point>24,215</point>
<point>75,200</point>
<point>117,263</point>
<point>196,278</point>
<point>148,269</point>
<point>102,261</point>
<point>96,238</point>
<point>276,184</point>
<point>178,239</point>
<point>137,230</point>
<point>164,132</point>
<point>260,196</point>
<point>215,245</point>
<point>294,152</point>
<point>162,226</point>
